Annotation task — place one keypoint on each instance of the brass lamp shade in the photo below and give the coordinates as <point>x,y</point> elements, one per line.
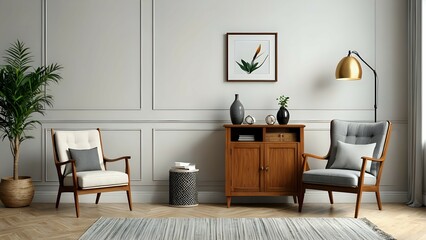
<point>348,69</point>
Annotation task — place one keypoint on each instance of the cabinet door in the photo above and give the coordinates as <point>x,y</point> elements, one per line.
<point>245,167</point>
<point>281,166</point>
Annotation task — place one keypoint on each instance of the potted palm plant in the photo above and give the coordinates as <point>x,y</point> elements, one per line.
<point>22,94</point>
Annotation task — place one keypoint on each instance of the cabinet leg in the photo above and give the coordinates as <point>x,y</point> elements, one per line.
<point>228,202</point>
<point>294,199</point>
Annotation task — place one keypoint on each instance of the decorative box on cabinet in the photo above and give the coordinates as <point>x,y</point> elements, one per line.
<point>263,160</point>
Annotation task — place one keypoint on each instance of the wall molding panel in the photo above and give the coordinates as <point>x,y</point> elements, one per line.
<point>95,50</point>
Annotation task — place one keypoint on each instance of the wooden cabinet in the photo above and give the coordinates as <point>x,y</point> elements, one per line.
<point>263,160</point>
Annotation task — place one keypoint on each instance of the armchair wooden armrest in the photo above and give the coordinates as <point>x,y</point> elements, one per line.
<point>59,164</point>
<point>372,159</point>
<point>73,170</point>
<point>305,156</point>
<point>125,158</point>
<point>364,166</point>
<point>72,161</point>
<point>115,159</point>
<point>364,163</point>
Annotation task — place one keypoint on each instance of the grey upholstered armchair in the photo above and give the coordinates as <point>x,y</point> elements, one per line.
<point>354,161</point>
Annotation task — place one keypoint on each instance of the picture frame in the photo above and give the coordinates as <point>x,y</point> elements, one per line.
<point>251,57</point>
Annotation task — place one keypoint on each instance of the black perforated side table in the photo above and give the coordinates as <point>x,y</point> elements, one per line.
<point>183,188</point>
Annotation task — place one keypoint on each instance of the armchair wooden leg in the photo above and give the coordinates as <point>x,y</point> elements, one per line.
<point>301,197</point>
<point>379,201</point>
<point>330,196</point>
<point>129,199</point>
<point>358,203</point>
<point>58,198</point>
<point>77,206</point>
<point>98,196</point>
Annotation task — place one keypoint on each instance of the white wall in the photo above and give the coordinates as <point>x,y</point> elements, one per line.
<point>151,75</point>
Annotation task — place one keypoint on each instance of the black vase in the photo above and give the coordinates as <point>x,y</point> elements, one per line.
<point>283,115</point>
<point>237,111</point>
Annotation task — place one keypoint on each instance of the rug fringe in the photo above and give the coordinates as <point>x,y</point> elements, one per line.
<point>385,235</point>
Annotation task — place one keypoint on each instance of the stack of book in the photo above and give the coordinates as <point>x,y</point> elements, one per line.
<point>246,138</point>
<point>184,166</point>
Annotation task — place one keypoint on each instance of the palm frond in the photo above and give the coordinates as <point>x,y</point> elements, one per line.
<point>18,55</point>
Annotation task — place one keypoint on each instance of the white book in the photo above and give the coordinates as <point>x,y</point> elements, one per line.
<point>181,164</point>
<point>243,137</point>
<point>190,167</point>
<point>184,166</point>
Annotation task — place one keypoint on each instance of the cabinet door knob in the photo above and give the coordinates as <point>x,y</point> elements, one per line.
<point>261,168</point>
<point>267,168</point>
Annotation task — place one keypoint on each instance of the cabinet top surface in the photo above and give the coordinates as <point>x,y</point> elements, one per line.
<point>264,126</point>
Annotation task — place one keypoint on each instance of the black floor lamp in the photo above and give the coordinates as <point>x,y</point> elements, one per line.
<point>350,69</point>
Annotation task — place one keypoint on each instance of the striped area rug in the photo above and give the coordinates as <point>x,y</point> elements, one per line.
<point>233,228</point>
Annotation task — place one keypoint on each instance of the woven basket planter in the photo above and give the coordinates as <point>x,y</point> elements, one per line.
<point>16,193</point>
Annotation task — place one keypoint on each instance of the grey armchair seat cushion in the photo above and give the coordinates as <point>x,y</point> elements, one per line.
<point>337,177</point>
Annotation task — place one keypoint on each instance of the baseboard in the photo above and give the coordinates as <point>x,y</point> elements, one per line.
<point>219,197</point>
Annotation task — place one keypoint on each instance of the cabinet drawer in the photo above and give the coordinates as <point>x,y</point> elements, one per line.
<point>280,137</point>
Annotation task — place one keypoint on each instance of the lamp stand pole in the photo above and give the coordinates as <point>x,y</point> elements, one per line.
<point>375,83</point>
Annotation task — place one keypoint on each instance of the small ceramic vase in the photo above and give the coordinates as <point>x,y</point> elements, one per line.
<point>283,115</point>
<point>237,111</point>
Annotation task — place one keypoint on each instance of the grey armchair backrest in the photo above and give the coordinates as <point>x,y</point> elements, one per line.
<point>358,133</point>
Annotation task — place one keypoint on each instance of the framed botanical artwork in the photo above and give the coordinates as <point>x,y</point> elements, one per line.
<point>251,57</point>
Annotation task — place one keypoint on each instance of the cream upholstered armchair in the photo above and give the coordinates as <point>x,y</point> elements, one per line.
<point>82,166</point>
<point>354,161</point>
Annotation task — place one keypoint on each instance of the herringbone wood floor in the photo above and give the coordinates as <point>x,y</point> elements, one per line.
<point>43,221</point>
